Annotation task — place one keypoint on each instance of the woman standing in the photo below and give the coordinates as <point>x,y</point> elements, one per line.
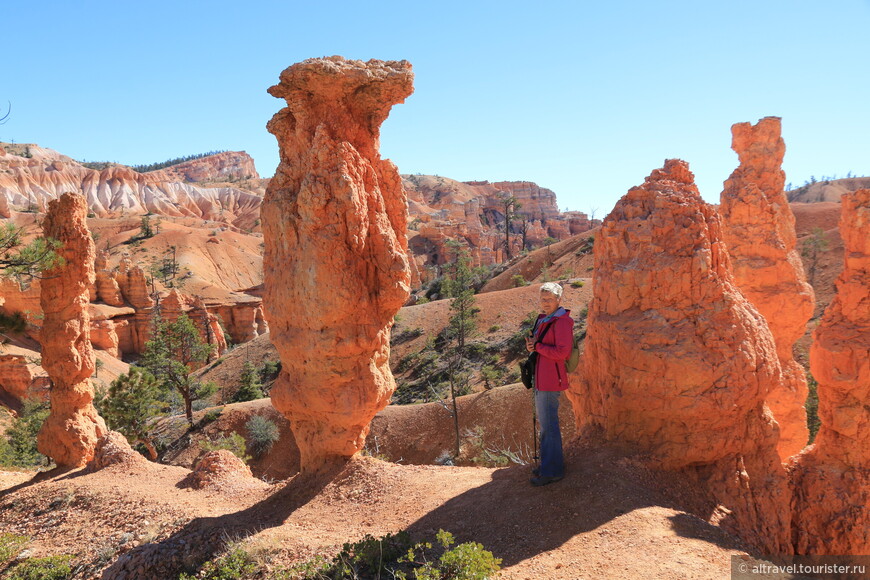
<point>553,339</point>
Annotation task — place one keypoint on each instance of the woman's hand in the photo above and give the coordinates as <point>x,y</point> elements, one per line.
<point>530,344</point>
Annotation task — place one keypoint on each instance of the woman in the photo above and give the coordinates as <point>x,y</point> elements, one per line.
<point>553,339</point>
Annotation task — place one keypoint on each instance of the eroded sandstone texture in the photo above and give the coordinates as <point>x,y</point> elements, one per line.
<point>69,434</point>
<point>677,363</point>
<point>831,480</point>
<point>758,228</point>
<point>335,264</point>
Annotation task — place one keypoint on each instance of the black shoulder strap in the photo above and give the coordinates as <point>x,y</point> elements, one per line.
<point>544,332</point>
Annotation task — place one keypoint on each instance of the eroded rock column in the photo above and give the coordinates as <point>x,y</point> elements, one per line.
<point>69,434</point>
<point>831,480</point>
<point>758,227</point>
<point>335,263</point>
<point>677,363</point>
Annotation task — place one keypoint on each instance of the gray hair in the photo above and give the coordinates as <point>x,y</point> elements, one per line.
<point>552,288</point>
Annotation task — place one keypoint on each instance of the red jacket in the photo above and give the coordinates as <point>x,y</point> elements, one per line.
<point>553,351</point>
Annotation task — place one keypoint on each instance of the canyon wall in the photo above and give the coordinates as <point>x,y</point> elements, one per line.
<point>335,264</point>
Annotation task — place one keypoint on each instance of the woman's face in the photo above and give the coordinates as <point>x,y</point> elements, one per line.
<point>549,303</point>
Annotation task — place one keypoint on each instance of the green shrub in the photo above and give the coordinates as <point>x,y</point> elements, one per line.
<point>15,322</point>
<point>262,434</point>
<point>393,556</point>
<point>233,443</point>
<point>812,407</point>
<point>494,328</point>
<point>578,283</point>
<point>20,449</point>
<point>234,565</point>
<point>210,416</point>
<point>250,387</point>
<point>519,280</point>
<point>10,546</point>
<point>50,568</point>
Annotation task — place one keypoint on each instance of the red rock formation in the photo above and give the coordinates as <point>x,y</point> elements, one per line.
<point>758,228</point>
<point>112,449</point>
<point>335,264</point>
<point>71,430</point>
<point>677,363</point>
<point>831,480</point>
<point>175,304</point>
<point>226,166</point>
<point>107,289</point>
<point>29,183</point>
<point>20,377</point>
<point>221,469</point>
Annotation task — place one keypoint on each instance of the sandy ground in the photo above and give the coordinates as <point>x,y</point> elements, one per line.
<point>604,520</point>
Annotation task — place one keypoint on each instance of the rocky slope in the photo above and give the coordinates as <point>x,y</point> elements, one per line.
<point>30,179</point>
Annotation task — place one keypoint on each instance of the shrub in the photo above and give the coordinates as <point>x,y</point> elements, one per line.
<point>210,416</point>
<point>50,568</point>
<point>10,546</point>
<point>262,434</point>
<point>15,322</point>
<point>578,283</point>
<point>233,443</point>
<point>250,387</point>
<point>395,556</point>
<point>494,328</point>
<point>20,449</point>
<point>812,407</point>
<point>492,376</point>
<point>234,565</point>
<point>519,280</point>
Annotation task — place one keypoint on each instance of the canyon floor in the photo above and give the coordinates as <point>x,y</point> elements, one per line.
<point>606,519</point>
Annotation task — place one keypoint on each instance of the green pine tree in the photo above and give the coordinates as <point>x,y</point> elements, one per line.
<point>175,349</point>
<point>19,260</point>
<point>133,400</point>
<point>18,449</point>
<point>460,286</point>
<point>250,388</point>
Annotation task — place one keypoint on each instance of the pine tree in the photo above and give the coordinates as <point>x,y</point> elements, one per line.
<point>459,285</point>
<point>26,260</point>
<point>133,400</point>
<point>172,353</point>
<point>250,388</point>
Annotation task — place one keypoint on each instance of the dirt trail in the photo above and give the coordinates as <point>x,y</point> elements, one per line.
<point>604,520</point>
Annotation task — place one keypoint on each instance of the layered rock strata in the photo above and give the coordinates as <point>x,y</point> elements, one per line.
<point>677,363</point>
<point>69,434</point>
<point>758,228</point>
<point>831,480</point>
<point>335,264</point>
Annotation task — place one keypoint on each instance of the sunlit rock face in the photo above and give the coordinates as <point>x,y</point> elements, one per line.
<point>831,480</point>
<point>335,266</point>
<point>758,228</point>
<point>677,363</point>
<point>69,434</point>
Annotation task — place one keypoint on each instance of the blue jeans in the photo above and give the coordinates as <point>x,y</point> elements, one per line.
<point>547,409</point>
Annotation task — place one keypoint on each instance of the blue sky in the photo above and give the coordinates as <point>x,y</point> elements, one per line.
<point>585,98</point>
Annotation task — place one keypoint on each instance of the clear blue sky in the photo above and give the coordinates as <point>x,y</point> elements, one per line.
<point>585,98</point>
